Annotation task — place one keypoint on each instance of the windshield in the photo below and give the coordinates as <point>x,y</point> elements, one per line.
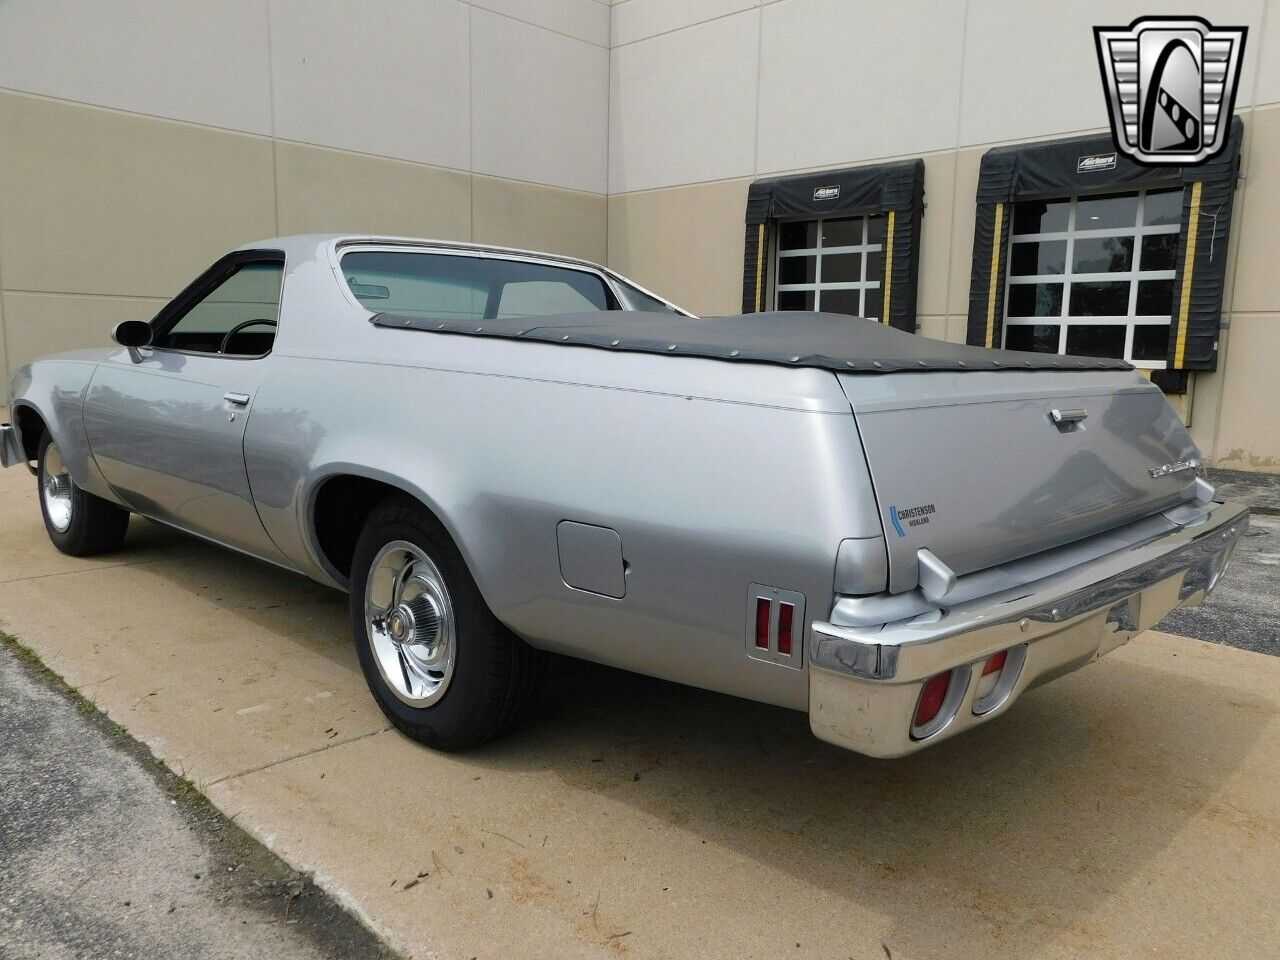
<point>453,287</point>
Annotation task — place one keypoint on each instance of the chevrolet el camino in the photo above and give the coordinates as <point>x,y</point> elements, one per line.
<point>501,454</point>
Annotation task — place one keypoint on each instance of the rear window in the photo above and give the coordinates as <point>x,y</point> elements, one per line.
<point>454,287</point>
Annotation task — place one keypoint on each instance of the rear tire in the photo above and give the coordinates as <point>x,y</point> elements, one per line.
<point>439,664</point>
<point>78,523</point>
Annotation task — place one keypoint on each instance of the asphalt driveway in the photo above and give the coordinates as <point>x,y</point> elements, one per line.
<point>1129,810</point>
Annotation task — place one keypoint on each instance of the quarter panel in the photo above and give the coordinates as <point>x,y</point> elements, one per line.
<point>706,495</point>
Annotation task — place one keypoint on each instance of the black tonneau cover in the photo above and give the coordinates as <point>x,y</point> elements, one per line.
<point>827,340</point>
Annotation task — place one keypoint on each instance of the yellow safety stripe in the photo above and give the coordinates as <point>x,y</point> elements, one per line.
<point>1188,268</point>
<point>888,268</point>
<point>759,268</point>
<point>995,275</point>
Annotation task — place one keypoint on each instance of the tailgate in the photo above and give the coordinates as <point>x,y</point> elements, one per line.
<point>972,466</point>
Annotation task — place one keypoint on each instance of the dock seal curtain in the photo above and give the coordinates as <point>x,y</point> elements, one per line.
<point>1062,167</point>
<point>893,189</point>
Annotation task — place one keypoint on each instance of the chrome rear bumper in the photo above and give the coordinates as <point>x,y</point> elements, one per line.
<point>11,452</point>
<point>865,682</point>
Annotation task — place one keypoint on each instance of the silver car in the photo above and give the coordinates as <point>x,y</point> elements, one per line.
<point>501,454</point>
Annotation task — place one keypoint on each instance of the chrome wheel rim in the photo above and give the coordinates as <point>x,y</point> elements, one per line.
<point>410,623</point>
<point>55,489</point>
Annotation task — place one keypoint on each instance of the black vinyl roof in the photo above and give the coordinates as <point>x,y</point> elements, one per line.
<point>828,341</point>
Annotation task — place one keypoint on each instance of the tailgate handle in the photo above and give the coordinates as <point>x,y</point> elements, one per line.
<point>1068,416</point>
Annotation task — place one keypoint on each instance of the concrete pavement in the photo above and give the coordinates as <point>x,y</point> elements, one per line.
<point>105,855</point>
<point>1130,810</point>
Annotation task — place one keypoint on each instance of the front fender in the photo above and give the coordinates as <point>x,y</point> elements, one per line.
<point>53,390</point>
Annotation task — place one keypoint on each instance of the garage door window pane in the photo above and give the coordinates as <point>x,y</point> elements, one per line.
<point>798,236</point>
<point>1163,207</point>
<point>841,301</point>
<point>1096,341</point>
<point>841,267</point>
<point>797,269</point>
<point>1151,341</point>
<point>1155,298</point>
<point>1035,300</point>
<point>1041,216</point>
<point>1036,337</point>
<point>1159,251</point>
<point>1105,212</point>
<point>795,300</point>
<point>1038,258</point>
<point>1103,255</point>
<point>1099,299</point>
<point>842,233</point>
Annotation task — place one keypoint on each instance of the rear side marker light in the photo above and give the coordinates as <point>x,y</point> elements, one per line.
<point>762,623</point>
<point>932,697</point>
<point>775,625</point>
<point>786,613</point>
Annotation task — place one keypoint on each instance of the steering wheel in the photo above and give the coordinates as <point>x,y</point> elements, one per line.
<point>222,347</point>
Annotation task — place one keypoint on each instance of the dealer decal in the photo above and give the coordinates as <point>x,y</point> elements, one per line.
<point>911,517</point>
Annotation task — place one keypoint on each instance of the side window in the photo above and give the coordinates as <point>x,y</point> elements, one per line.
<point>458,287</point>
<point>236,318</point>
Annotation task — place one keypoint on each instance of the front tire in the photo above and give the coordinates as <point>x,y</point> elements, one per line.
<point>439,664</point>
<point>78,522</point>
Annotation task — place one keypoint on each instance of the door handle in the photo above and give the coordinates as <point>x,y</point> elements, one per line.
<point>239,399</point>
<point>1068,416</point>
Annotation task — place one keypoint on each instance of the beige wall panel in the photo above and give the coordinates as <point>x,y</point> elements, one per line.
<point>1257,281</point>
<point>391,79</point>
<point>842,81</point>
<point>39,323</point>
<point>539,105</point>
<point>638,19</point>
<point>1206,400</point>
<point>968,163</point>
<point>684,243</point>
<point>204,61</point>
<point>5,370</point>
<point>682,106</point>
<point>328,191</point>
<point>94,201</point>
<point>1266,44</point>
<point>936,243</point>
<point>513,214</point>
<point>1248,436</point>
<point>584,19</point>
<point>933,327</point>
<point>1016,87</point>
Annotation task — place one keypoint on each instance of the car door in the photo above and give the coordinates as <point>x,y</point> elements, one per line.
<point>166,423</point>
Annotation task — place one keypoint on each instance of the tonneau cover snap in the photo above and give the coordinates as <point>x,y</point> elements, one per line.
<point>828,341</point>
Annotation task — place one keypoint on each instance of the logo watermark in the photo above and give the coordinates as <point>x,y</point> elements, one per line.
<point>1171,87</point>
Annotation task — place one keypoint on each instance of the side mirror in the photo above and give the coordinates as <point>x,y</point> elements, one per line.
<point>132,334</point>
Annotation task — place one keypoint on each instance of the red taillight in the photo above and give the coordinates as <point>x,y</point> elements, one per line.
<point>932,697</point>
<point>995,663</point>
<point>785,613</point>
<point>762,623</point>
